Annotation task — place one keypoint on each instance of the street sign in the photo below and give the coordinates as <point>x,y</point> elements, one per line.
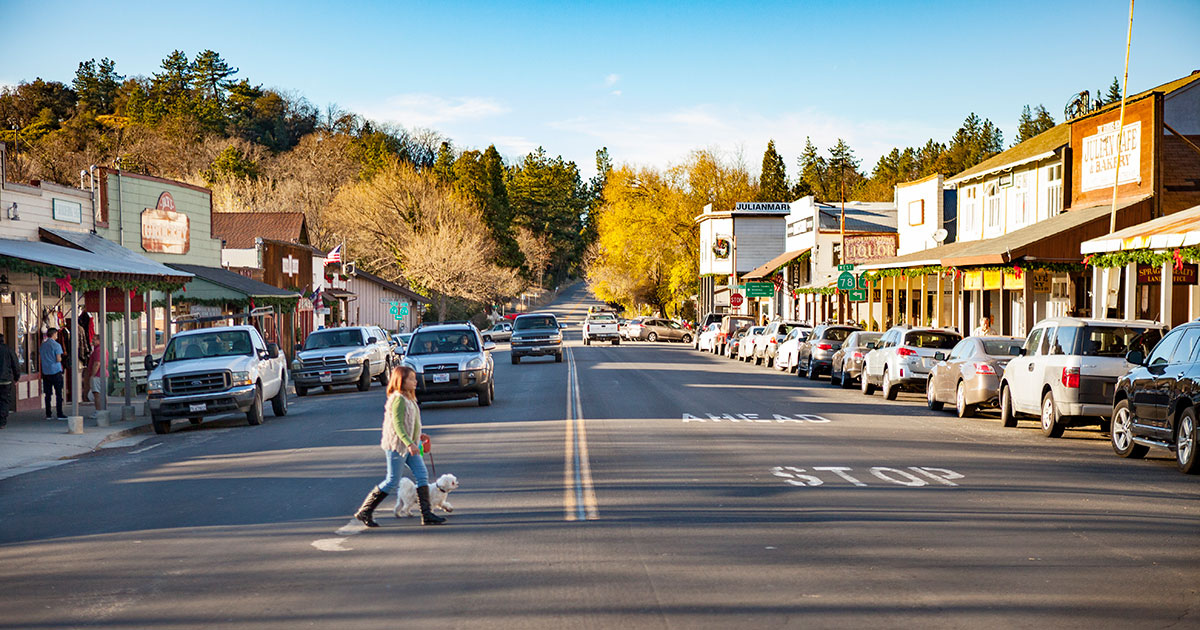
<point>845,267</point>
<point>760,289</point>
<point>846,281</point>
<point>858,295</point>
<point>862,281</point>
<point>735,299</point>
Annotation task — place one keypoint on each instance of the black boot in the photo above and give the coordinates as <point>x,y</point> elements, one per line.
<point>427,515</point>
<point>367,510</point>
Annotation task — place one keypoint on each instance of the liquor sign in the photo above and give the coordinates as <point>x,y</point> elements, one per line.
<point>862,249</point>
<point>164,230</point>
<point>1099,159</point>
<point>760,289</point>
<point>761,206</point>
<point>1152,274</point>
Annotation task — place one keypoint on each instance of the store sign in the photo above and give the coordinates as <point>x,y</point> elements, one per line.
<point>862,249</point>
<point>760,206</point>
<point>69,211</point>
<point>1099,160</point>
<point>305,304</point>
<point>972,280</point>
<point>1040,281</point>
<point>992,279</point>
<point>1152,274</point>
<point>164,230</point>
<point>200,310</point>
<point>291,266</point>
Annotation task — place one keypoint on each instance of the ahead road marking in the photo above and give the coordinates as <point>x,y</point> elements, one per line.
<point>579,495</point>
<point>750,418</point>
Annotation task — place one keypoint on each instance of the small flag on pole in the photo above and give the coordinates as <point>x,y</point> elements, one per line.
<point>334,255</point>
<point>317,300</point>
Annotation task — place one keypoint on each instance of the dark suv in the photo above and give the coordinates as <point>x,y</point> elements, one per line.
<point>1155,402</point>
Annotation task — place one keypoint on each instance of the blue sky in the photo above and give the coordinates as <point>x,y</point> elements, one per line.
<point>650,81</point>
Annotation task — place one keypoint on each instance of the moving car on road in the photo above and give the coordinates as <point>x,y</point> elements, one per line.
<point>601,326</point>
<point>1155,404</point>
<point>213,371</point>
<point>815,354</point>
<point>970,375</point>
<point>1067,372</point>
<point>536,335</point>
<point>902,359</point>
<point>452,362</point>
<point>846,364</point>
<point>352,355</point>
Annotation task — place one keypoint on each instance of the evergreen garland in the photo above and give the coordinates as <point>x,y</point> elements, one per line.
<point>1143,257</point>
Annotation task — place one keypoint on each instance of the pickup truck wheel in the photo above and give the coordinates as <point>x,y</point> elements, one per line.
<point>161,427</point>
<point>255,414</point>
<point>558,357</point>
<point>1052,427</point>
<point>383,376</point>
<point>279,402</point>
<point>195,421</point>
<point>616,342</point>
<point>301,390</point>
<point>364,381</point>
<point>515,359</point>
<point>1122,433</point>
<point>485,396</point>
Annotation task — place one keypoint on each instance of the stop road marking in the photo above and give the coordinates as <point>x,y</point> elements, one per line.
<point>920,476</point>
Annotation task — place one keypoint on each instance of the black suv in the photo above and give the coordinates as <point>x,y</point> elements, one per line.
<point>1155,402</point>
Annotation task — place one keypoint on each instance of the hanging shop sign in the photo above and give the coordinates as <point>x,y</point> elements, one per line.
<point>863,249</point>
<point>1099,160</point>
<point>1152,274</point>
<point>1040,280</point>
<point>972,280</point>
<point>164,229</point>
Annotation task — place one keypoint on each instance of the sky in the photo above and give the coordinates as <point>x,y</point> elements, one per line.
<point>651,81</point>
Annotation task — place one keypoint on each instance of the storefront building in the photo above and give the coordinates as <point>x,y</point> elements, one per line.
<point>733,243</point>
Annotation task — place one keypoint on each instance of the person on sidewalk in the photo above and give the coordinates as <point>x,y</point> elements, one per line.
<point>985,328</point>
<point>10,371</point>
<point>97,369</point>
<point>401,434</point>
<point>51,354</point>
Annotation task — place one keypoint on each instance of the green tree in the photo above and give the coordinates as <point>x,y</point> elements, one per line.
<point>844,177</point>
<point>548,197</point>
<point>231,164</point>
<point>443,168</point>
<point>772,184</point>
<point>975,141</point>
<point>209,73</point>
<point>813,172</point>
<point>97,85</point>
<point>1114,92</point>
<point>1032,123</point>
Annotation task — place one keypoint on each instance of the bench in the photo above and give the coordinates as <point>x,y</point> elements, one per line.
<point>116,375</point>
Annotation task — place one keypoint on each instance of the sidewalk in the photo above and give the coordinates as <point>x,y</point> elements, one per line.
<point>30,442</point>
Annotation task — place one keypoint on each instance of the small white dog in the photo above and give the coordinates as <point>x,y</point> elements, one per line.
<point>406,499</point>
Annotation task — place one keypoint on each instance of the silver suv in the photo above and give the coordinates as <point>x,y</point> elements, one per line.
<point>1066,374</point>
<point>902,358</point>
<point>452,362</point>
<point>353,355</point>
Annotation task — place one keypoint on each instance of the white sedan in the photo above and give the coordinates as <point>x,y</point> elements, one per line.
<point>786,357</point>
<point>708,338</point>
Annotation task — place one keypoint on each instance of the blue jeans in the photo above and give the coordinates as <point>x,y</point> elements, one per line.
<point>396,462</point>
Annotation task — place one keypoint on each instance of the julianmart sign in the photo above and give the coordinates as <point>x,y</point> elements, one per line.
<point>1100,156</point>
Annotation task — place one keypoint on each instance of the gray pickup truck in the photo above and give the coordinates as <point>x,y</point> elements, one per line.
<point>352,355</point>
<point>537,335</point>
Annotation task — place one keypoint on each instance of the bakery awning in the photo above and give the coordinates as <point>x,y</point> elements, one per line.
<point>87,264</point>
<point>1181,229</point>
<point>771,266</point>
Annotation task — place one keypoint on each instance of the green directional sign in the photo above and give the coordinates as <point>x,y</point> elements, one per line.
<point>845,267</point>
<point>857,295</point>
<point>760,289</point>
<point>862,281</point>
<point>846,281</point>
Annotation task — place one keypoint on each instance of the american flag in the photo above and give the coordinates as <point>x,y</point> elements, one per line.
<point>318,300</point>
<point>334,255</point>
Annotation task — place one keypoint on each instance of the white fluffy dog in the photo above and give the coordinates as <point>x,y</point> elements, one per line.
<point>406,498</point>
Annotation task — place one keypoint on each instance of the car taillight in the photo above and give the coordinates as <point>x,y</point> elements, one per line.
<point>984,368</point>
<point>824,346</point>
<point>772,340</point>
<point>858,355</point>
<point>1070,377</point>
<point>906,352</point>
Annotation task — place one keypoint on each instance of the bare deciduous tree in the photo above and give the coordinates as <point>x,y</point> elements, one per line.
<point>538,252</point>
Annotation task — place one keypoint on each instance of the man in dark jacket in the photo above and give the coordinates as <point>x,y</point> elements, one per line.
<point>10,371</point>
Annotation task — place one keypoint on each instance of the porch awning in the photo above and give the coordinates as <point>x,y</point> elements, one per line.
<point>769,267</point>
<point>339,294</point>
<point>1181,229</point>
<point>90,264</point>
<point>223,282</point>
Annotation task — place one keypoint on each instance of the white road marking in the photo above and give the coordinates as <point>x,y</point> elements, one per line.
<point>145,448</point>
<point>330,544</point>
<point>806,478</point>
<point>752,418</point>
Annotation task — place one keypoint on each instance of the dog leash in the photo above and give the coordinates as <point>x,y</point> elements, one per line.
<point>426,449</point>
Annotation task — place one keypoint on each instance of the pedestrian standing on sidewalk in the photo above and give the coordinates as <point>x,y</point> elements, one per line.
<point>51,355</point>
<point>97,369</point>
<point>10,371</point>
<point>401,435</point>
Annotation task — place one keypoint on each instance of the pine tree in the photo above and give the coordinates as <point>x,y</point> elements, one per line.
<point>813,171</point>
<point>772,184</point>
<point>1042,120</point>
<point>1114,92</point>
<point>1024,126</point>
<point>443,168</point>
<point>843,172</point>
<point>209,73</point>
<point>97,85</point>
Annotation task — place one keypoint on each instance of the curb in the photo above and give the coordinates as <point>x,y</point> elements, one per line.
<point>119,435</point>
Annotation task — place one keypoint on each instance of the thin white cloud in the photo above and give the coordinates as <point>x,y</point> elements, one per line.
<point>611,80</point>
<point>514,145</point>
<point>616,92</point>
<point>428,110</point>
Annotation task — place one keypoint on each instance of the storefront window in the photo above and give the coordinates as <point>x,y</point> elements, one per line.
<point>28,332</point>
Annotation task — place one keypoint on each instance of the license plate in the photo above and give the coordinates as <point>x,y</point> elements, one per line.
<point>441,378</point>
<point>326,378</point>
<point>194,407</point>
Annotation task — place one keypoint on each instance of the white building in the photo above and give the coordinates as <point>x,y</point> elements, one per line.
<point>750,234</point>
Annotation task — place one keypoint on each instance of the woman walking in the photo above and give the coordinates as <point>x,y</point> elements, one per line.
<point>401,434</point>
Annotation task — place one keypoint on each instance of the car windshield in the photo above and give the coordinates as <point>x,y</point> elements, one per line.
<point>1116,341</point>
<point>333,339</point>
<point>442,341</point>
<point>532,322</point>
<point>932,340</point>
<point>866,338</point>
<point>1003,348</point>
<point>204,345</point>
<point>838,334</point>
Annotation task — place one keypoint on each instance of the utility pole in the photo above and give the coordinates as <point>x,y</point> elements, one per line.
<point>1112,218</point>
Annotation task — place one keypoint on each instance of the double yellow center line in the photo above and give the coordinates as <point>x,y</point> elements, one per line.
<point>579,495</point>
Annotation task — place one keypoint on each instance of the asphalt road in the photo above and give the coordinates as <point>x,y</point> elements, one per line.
<point>641,485</point>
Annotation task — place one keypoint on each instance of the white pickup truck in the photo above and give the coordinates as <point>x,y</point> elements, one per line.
<point>601,326</point>
<point>216,371</point>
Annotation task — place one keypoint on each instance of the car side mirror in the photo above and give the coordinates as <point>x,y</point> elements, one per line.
<point>372,339</point>
<point>561,326</point>
<point>273,350</point>
<point>1021,351</point>
<point>870,345</point>
<point>489,345</point>
<point>297,347</point>
<point>940,356</point>
<point>150,362</point>
<point>1136,357</point>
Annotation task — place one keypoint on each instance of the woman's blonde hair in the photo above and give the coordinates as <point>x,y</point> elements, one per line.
<point>396,382</point>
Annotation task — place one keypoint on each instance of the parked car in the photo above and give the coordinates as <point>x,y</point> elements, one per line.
<point>785,355</point>
<point>654,329</point>
<point>452,362</point>
<point>815,355</point>
<point>730,324</point>
<point>536,335</point>
<point>701,327</point>
<point>846,364</point>
<point>500,331</point>
<point>600,326</point>
<point>1155,403</point>
<point>401,341</point>
<point>969,376</point>
<point>745,342</point>
<point>707,339</point>
<point>902,359</point>
<point>214,371</point>
<point>1067,372</point>
<point>766,345</point>
<point>633,331</point>
<point>351,355</point>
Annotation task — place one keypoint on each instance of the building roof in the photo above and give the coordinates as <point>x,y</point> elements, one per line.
<point>81,260</point>
<point>239,229</point>
<point>234,281</point>
<point>769,267</point>
<point>110,254</point>
<point>1181,229</point>
<point>1165,88</point>
<point>392,286</point>
<point>861,216</point>
<point>1036,148</point>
